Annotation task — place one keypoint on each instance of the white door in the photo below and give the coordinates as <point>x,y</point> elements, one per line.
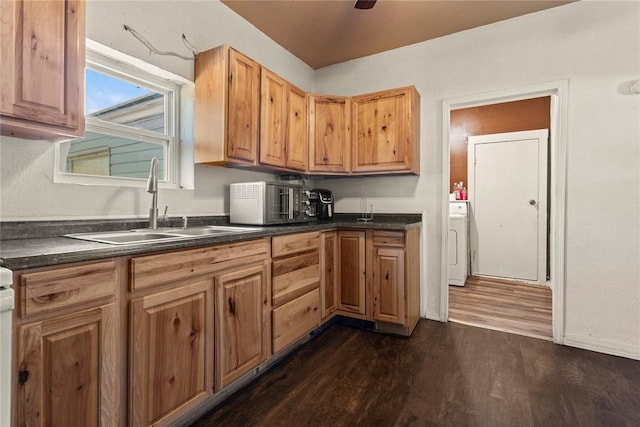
<point>507,176</point>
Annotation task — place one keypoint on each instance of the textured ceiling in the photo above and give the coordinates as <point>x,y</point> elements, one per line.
<point>326,32</point>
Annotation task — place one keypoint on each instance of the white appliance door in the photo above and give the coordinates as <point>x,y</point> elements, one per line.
<point>508,192</point>
<point>6,306</point>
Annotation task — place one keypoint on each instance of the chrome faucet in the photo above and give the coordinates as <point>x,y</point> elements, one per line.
<point>152,187</point>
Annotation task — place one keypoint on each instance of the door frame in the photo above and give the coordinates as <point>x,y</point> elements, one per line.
<point>558,91</point>
<point>542,135</point>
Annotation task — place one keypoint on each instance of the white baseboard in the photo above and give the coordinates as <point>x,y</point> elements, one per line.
<point>602,346</point>
<point>432,316</point>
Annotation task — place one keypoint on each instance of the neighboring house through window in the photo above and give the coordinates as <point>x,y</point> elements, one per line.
<point>132,115</point>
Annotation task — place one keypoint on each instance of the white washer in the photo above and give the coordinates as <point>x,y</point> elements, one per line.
<point>458,242</point>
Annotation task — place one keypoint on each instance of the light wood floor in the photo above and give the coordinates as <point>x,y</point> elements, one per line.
<point>502,305</point>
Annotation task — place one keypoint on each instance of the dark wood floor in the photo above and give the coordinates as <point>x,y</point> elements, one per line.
<point>502,305</point>
<point>446,374</point>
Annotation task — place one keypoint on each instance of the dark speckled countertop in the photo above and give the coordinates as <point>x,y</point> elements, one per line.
<point>38,244</point>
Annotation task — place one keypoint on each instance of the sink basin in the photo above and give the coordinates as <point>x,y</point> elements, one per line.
<point>208,231</point>
<point>146,235</point>
<point>124,237</point>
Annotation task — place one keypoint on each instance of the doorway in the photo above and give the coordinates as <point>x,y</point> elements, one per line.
<point>455,170</point>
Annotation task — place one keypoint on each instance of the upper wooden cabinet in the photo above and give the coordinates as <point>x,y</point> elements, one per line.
<point>42,69</point>
<point>248,115</point>
<point>386,132</point>
<point>297,129</point>
<point>273,119</point>
<point>283,123</point>
<point>329,134</point>
<point>227,107</point>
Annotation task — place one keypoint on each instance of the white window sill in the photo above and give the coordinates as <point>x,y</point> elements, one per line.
<point>111,181</point>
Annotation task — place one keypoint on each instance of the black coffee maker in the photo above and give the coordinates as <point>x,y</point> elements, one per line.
<point>323,200</point>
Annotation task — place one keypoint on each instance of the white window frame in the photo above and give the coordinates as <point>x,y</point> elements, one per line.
<point>116,64</point>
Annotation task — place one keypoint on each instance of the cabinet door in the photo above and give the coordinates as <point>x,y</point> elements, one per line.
<point>42,69</point>
<point>329,272</point>
<point>329,133</point>
<point>388,285</point>
<point>243,108</point>
<point>351,254</point>
<point>67,370</point>
<point>171,353</point>
<point>240,298</point>
<point>297,129</point>
<point>273,117</point>
<point>386,132</point>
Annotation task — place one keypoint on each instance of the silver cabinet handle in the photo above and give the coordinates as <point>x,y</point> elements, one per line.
<point>532,202</point>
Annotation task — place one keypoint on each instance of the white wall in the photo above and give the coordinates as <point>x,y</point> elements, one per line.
<point>596,46</point>
<point>26,167</point>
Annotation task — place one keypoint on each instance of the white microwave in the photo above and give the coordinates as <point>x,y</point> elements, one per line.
<point>263,203</point>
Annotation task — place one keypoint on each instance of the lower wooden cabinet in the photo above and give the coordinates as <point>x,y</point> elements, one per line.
<point>379,277</point>
<point>67,346</point>
<point>328,273</point>
<point>295,318</point>
<point>182,325</point>
<point>241,302</point>
<point>296,287</point>
<point>68,370</point>
<point>388,283</point>
<point>395,278</point>
<point>171,353</point>
<point>351,273</point>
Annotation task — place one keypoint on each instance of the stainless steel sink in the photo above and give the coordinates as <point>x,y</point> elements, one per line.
<point>125,237</point>
<point>210,230</point>
<point>146,235</point>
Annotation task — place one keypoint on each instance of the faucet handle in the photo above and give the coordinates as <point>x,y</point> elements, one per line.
<point>164,215</point>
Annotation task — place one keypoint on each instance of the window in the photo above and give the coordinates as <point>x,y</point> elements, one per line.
<point>132,115</point>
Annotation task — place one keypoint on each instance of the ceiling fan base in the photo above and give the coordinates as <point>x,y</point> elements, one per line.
<point>364,4</point>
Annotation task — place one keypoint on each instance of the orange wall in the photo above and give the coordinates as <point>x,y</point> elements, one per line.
<point>528,114</point>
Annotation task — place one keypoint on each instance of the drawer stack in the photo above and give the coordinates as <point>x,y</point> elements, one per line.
<point>295,287</point>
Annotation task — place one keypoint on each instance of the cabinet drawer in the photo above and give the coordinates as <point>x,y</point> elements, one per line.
<point>294,276</point>
<point>295,243</point>
<point>295,319</point>
<point>58,288</point>
<point>388,238</point>
<point>156,270</point>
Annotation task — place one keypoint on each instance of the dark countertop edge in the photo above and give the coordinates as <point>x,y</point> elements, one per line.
<point>81,251</point>
<point>10,230</point>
